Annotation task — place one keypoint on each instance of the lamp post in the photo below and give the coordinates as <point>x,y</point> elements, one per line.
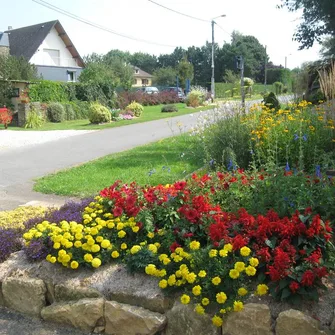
<point>213,48</point>
<point>286,60</point>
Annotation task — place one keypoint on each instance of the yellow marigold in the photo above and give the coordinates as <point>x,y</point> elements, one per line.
<point>199,309</point>
<point>105,244</point>
<point>185,299</point>
<point>253,261</point>
<point>205,301</point>
<point>191,277</point>
<point>53,259</point>
<point>94,231</point>
<point>121,234</point>
<point>166,261</point>
<point>216,281</point>
<point>120,226</point>
<point>250,270</point>
<point>88,258</point>
<point>212,253</point>
<point>151,235</point>
<point>78,244</point>
<point>150,269</point>
<point>196,290</point>
<point>135,249</point>
<point>217,321</point>
<point>228,247</point>
<point>239,266</point>
<point>242,291</point>
<point>115,254</point>
<point>99,239</point>
<point>135,229</point>
<point>202,274</point>
<point>245,251</point>
<point>194,245</point>
<point>95,248</point>
<point>171,280</point>
<point>74,265</point>
<point>123,246</point>
<point>221,297</point>
<point>152,248</point>
<point>96,262</point>
<point>163,283</point>
<point>56,245</point>
<point>223,253</point>
<point>238,306</point>
<point>262,289</point>
<point>160,273</point>
<point>234,274</point>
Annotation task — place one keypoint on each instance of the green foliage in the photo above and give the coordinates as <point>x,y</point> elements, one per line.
<point>69,112</point>
<point>278,87</point>
<point>196,97</point>
<point>169,109</point>
<point>136,108</point>
<point>34,119</point>
<point>48,91</point>
<point>144,61</point>
<point>56,112</point>
<point>98,113</point>
<point>185,71</point>
<point>271,101</point>
<point>165,76</point>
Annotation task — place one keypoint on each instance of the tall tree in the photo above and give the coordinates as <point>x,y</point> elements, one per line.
<point>185,71</point>
<point>328,48</point>
<point>171,59</point>
<point>318,20</point>
<point>144,61</point>
<point>165,76</point>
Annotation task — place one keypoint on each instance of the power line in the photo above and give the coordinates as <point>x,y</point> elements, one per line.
<point>222,29</point>
<point>175,11</point>
<point>95,25</point>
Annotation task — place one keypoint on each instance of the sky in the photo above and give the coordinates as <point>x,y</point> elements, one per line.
<point>145,20</point>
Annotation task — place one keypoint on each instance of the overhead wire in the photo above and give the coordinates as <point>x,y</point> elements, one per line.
<point>95,25</point>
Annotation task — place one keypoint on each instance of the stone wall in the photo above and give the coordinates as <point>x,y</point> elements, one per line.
<point>109,300</point>
<point>23,110</point>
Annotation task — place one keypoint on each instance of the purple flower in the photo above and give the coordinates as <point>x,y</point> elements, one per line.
<point>304,137</point>
<point>295,137</point>
<point>38,249</point>
<point>10,241</point>
<point>287,167</point>
<point>318,171</point>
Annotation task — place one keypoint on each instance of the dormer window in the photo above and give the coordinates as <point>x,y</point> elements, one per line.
<point>136,71</point>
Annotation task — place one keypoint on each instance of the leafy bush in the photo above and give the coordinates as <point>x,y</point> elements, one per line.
<point>136,108</point>
<point>48,91</point>
<point>99,113</point>
<point>56,112</point>
<point>196,97</point>
<point>81,109</point>
<point>278,87</point>
<point>169,109</point>
<point>271,101</point>
<point>6,117</point>
<point>34,119</point>
<point>69,112</point>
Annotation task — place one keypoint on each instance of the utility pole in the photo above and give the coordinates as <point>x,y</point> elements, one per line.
<point>265,69</point>
<point>242,84</point>
<point>213,50</point>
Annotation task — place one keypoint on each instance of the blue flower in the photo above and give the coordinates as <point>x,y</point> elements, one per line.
<point>296,137</point>
<point>318,171</point>
<point>287,167</point>
<point>230,165</point>
<point>211,162</point>
<point>304,137</point>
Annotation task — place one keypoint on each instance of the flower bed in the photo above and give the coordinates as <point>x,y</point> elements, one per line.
<point>214,257</point>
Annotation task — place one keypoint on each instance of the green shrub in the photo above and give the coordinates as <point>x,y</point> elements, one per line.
<point>136,108</point>
<point>48,91</point>
<point>271,101</point>
<point>98,113</point>
<point>56,112</point>
<point>69,112</point>
<point>196,97</point>
<point>278,87</point>
<point>34,119</point>
<point>169,109</point>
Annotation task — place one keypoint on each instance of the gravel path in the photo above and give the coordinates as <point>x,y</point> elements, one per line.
<point>16,139</point>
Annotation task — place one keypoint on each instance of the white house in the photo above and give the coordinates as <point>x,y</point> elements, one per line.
<point>49,48</point>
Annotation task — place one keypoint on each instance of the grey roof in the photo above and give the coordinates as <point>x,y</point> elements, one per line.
<point>25,41</point>
<point>141,73</point>
<point>4,42</point>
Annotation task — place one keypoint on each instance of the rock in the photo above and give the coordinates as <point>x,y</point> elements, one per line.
<point>72,293</point>
<point>254,319</point>
<point>183,320</point>
<point>84,314</point>
<point>2,300</point>
<point>25,295</point>
<point>99,329</point>
<point>50,296</point>
<point>122,319</point>
<point>293,322</point>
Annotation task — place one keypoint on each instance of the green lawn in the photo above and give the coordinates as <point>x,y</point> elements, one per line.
<point>150,113</point>
<point>161,162</point>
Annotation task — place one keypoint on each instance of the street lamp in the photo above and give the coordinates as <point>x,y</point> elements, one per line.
<point>213,80</point>
<point>286,60</point>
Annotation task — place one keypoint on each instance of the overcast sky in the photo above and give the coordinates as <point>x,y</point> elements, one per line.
<point>143,19</point>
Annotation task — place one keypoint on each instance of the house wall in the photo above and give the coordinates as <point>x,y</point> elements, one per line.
<point>56,73</point>
<point>139,82</point>
<point>54,42</point>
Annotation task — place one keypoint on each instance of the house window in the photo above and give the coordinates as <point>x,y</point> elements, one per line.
<point>145,81</point>
<point>136,71</point>
<point>71,76</point>
<point>51,57</point>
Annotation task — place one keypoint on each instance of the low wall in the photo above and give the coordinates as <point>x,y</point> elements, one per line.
<point>24,108</point>
<point>109,300</point>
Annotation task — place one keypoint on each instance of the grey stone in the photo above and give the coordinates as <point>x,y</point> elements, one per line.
<point>254,319</point>
<point>2,300</point>
<point>25,295</point>
<point>50,296</point>
<point>71,293</point>
<point>293,322</point>
<point>182,319</point>
<point>123,319</point>
<point>84,314</point>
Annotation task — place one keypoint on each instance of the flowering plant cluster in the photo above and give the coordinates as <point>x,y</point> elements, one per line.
<point>6,117</point>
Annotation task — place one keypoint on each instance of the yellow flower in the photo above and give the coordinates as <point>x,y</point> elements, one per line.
<point>115,254</point>
<point>239,266</point>
<point>77,244</point>
<point>213,253</point>
<point>171,280</point>
<point>216,281</point>
<point>234,274</point>
<point>191,277</point>
<point>99,239</point>
<point>152,248</point>
<point>135,229</point>
<point>74,265</point>
<point>217,321</point>
<point>262,289</point>
<point>223,253</point>
<point>150,269</point>
<point>238,306</point>
<point>245,251</point>
<point>94,231</point>
<point>96,262</point>
<point>185,299</point>
<point>194,245</point>
<point>253,262</point>
<point>151,235</point>
<point>123,246</point>
<point>88,258</point>
<point>95,248</point>
<point>162,283</point>
<point>166,261</point>
<point>196,290</point>
<point>242,291</point>
<point>53,259</point>
<point>221,297</point>
<point>135,249</point>
<point>202,274</point>
<point>228,247</point>
<point>119,226</point>
<point>199,309</point>
<point>105,244</point>
<point>205,301</point>
<point>121,234</point>
<point>250,270</point>
<point>56,245</point>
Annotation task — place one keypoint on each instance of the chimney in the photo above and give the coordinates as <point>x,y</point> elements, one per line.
<point>10,27</point>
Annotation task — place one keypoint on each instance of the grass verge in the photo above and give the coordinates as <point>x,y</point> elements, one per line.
<point>161,162</point>
<point>150,113</point>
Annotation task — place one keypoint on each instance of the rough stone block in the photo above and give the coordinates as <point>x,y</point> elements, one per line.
<point>72,293</point>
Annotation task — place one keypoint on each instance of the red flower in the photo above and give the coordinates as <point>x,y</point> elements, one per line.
<point>308,278</point>
<point>321,272</point>
<point>239,242</point>
<point>174,246</point>
<point>294,286</point>
<point>314,257</point>
<point>117,211</point>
